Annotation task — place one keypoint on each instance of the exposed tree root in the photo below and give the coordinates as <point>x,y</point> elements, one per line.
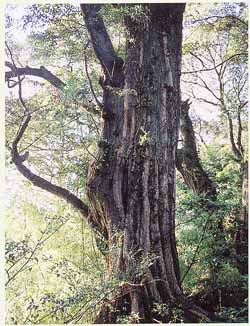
<point>121,308</point>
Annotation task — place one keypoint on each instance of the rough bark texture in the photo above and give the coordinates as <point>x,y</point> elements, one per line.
<point>188,162</point>
<point>131,185</point>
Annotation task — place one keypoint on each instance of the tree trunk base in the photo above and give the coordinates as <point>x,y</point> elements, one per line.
<point>182,311</point>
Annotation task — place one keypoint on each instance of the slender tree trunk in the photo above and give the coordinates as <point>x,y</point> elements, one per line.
<point>244,212</point>
<point>188,161</point>
<point>241,236</point>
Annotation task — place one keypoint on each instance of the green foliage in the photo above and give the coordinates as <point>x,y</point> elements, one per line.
<point>229,277</point>
<point>41,15</point>
<point>133,318</point>
<point>169,312</point>
<point>138,13</point>
<point>214,276</point>
<point>234,315</point>
<point>58,253</point>
<point>138,266</point>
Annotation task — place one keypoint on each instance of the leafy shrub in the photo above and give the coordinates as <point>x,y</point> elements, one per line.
<point>229,277</point>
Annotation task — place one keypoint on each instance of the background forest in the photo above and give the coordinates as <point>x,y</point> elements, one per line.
<point>55,265</point>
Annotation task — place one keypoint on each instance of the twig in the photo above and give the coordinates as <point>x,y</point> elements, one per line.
<point>89,79</point>
<point>40,242</point>
<point>196,251</point>
<point>216,66</point>
<point>222,17</point>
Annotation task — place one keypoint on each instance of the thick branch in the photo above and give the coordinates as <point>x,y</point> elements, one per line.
<point>102,44</point>
<point>35,179</point>
<point>41,72</point>
<point>40,182</point>
<point>18,159</point>
<point>45,185</point>
<point>188,162</point>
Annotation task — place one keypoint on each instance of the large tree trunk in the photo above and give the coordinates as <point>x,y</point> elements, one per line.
<point>131,186</point>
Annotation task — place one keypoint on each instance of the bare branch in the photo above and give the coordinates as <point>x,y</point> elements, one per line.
<point>41,72</point>
<point>199,59</point>
<point>208,88</point>
<point>206,101</point>
<point>89,79</point>
<point>222,17</point>
<point>216,66</point>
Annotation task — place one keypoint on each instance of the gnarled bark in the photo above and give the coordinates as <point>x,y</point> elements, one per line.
<point>131,186</point>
